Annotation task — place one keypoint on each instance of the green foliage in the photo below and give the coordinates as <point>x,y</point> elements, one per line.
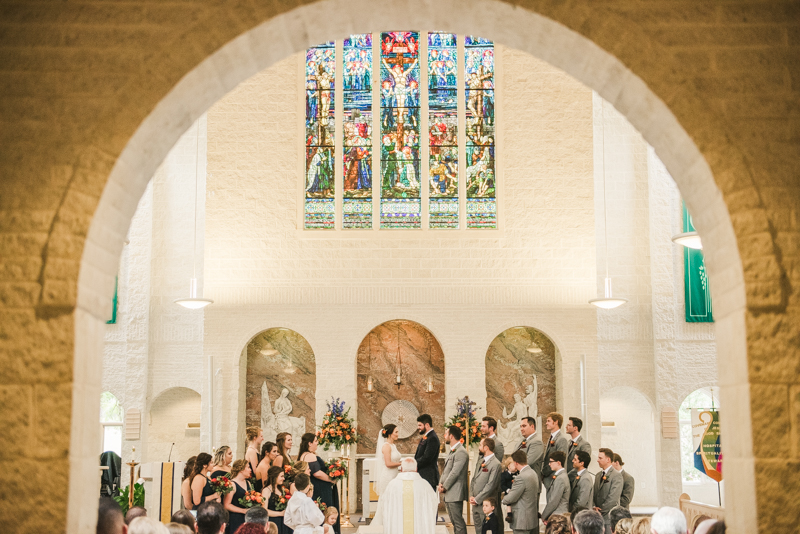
<point>138,497</point>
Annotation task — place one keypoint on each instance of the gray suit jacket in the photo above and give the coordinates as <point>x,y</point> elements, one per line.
<point>559,443</point>
<point>557,496</point>
<point>582,495</point>
<point>628,486</point>
<point>454,476</point>
<point>583,445</point>
<point>607,492</point>
<point>534,448</point>
<point>524,500</point>
<point>486,483</point>
<point>499,450</point>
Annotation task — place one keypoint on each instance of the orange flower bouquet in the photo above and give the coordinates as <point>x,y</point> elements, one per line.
<point>251,499</point>
<point>337,470</point>
<point>337,427</point>
<point>466,419</point>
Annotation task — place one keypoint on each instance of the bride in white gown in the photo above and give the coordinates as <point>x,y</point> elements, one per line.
<point>387,457</point>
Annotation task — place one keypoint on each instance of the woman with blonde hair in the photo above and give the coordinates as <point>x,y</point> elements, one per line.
<point>240,472</point>
<point>284,443</point>
<point>623,526</point>
<point>222,462</point>
<point>641,526</point>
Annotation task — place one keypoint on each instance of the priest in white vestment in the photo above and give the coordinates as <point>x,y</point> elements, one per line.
<point>408,505</point>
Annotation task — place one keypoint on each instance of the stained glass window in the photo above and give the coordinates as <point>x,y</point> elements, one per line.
<point>401,205</point>
<point>480,132</point>
<point>320,210</point>
<point>442,130</point>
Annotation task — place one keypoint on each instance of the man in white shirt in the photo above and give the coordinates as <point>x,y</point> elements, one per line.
<point>302,514</point>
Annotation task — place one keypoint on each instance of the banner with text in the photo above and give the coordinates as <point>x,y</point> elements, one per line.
<point>705,440</point>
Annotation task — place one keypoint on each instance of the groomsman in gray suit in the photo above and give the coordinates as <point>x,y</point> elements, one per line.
<point>581,496</point>
<point>576,443</point>
<point>557,442</point>
<point>607,486</point>
<point>532,445</point>
<point>523,498</point>
<point>628,483</point>
<point>558,493</point>
<point>454,480</point>
<point>489,429</point>
<point>485,480</point>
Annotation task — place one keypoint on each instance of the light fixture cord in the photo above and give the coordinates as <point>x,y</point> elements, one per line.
<point>605,207</point>
<point>196,172</point>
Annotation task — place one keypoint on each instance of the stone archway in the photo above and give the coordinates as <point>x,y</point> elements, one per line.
<point>148,118</point>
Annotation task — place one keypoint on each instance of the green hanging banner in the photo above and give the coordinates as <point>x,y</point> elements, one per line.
<point>114,302</point>
<point>697,294</point>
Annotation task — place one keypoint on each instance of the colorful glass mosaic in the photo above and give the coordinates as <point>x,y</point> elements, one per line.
<point>443,130</point>
<point>480,133</point>
<point>320,211</point>
<point>401,205</point>
<point>357,131</point>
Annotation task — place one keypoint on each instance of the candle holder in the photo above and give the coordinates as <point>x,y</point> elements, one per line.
<point>344,500</point>
<point>131,482</point>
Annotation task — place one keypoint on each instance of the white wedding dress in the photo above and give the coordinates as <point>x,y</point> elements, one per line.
<point>383,474</point>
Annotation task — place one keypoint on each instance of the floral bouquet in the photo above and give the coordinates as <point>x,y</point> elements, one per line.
<point>321,505</point>
<point>337,470</point>
<point>251,499</point>
<point>221,485</point>
<point>288,475</point>
<point>466,420</point>
<point>282,500</point>
<point>337,427</point>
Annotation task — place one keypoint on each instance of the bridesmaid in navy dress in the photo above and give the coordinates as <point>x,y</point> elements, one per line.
<point>240,472</point>
<point>201,489</point>
<point>272,493</point>
<point>324,488</point>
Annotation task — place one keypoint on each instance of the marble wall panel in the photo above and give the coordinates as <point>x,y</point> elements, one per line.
<point>420,358</point>
<point>279,359</point>
<point>510,371</point>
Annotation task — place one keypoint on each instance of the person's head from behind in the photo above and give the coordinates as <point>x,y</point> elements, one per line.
<point>617,463</point>
<point>271,528</point>
<point>408,465</point>
<point>256,514</point>
<point>302,482</point>
<point>623,526</point>
<point>558,524</point>
<point>146,525</point>
<point>641,525</point>
<point>211,518</point>
<point>588,522</point>
<point>710,526</point>
<point>250,528</point>
<point>133,513</point>
<point>178,528</point>
<point>520,460</point>
<point>109,517</point>
<point>184,517</point>
<point>424,423</point>
<point>617,513</point>
<point>668,520</point>
<point>489,505</point>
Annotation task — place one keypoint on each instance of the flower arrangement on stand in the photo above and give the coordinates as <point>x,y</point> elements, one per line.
<point>250,499</point>
<point>466,420</point>
<point>337,427</point>
<point>337,470</point>
<point>221,485</point>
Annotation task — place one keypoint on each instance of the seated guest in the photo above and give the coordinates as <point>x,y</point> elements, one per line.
<point>184,517</point>
<point>710,526</point>
<point>641,526</point>
<point>623,526</point>
<point>250,528</point>
<point>272,528</point>
<point>146,525</point>
<point>558,524</point>
<point>588,522</point>
<point>668,520</point>
<point>133,513</point>
<point>491,521</point>
<point>302,514</point>
<point>256,514</point>
<point>178,528</point>
<point>617,513</point>
<point>109,517</point>
<point>212,518</point>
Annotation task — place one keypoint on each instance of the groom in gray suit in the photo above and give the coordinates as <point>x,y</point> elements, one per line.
<point>454,480</point>
<point>523,498</point>
<point>485,480</point>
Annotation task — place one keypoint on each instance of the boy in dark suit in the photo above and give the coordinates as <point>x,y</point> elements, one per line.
<point>491,523</point>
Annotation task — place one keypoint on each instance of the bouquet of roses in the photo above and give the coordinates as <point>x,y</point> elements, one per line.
<point>321,505</point>
<point>465,419</point>
<point>250,499</point>
<point>337,470</point>
<point>282,500</point>
<point>288,475</point>
<point>221,485</point>
<point>337,426</point>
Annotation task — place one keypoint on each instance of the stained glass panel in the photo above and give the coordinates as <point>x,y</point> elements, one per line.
<point>401,205</point>
<point>320,211</point>
<point>357,131</point>
<point>443,130</point>
<point>480,156</point>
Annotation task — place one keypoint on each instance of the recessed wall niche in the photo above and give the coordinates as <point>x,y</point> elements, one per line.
<point>420,358</point>
<point>520,381</point>
<point>281,384</point>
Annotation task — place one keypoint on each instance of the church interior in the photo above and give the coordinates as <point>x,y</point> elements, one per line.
<point>578,212</point>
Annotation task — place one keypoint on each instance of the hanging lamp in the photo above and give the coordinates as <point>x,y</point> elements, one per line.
<point>193,302</point>
<point>688,240</point>
<point>608,301</point>
<point>370,380</point>
<point>398,381</point>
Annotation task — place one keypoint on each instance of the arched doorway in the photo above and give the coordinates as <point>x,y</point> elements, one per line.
<point>408,350</point>
<point>281,385</point>
<point>174,419</point>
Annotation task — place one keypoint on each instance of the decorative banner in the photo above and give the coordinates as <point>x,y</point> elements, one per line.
<point>706,443</point>
<point>697,295</point>
<point>114,303</point>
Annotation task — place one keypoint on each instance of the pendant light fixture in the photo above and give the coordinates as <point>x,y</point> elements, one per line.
<point>688,240</point>
<point>608,301</point>
<point>534,348</point>
<point>194,302</point>
<point>370,380</point>
<point>398,381</point>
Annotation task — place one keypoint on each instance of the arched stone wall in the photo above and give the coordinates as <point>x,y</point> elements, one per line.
<point>168,422</point>
<point>701,75</point>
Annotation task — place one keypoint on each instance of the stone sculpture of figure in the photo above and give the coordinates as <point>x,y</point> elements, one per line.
<point>519,411</point>
<point>280,421</point>
<point>509,434</point>
<point>531,400</point>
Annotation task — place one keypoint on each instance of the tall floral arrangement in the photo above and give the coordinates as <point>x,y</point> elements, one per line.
<point>337,427</point>
<point>465,418</point>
